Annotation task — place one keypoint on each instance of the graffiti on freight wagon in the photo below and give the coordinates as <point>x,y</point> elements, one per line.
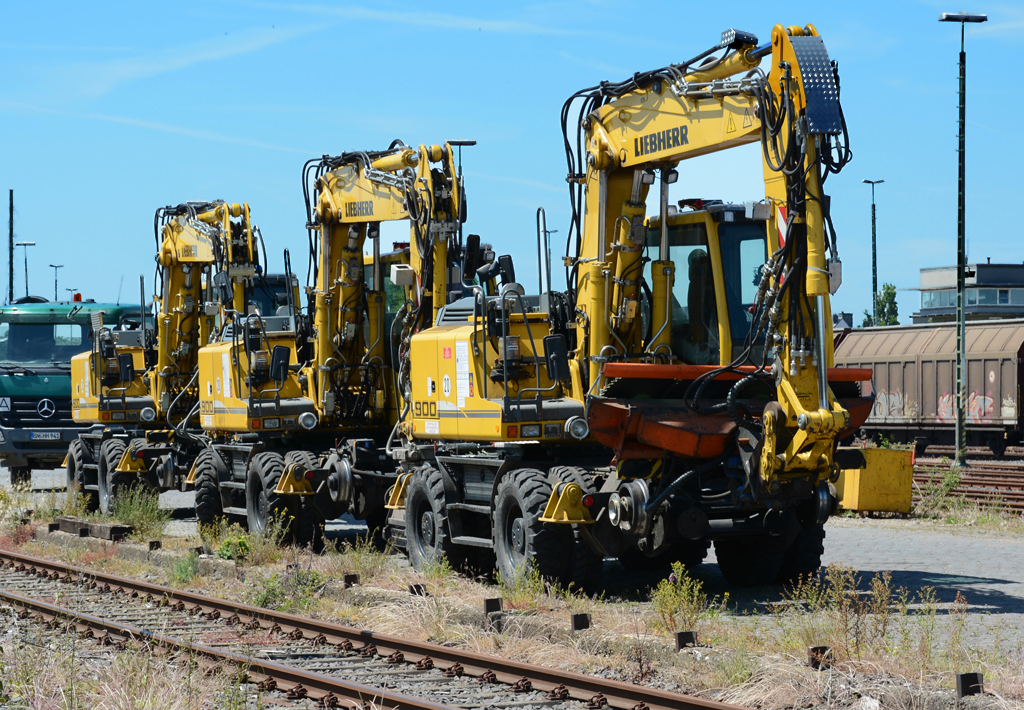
<point>892,405</point>
<point>980,408</point>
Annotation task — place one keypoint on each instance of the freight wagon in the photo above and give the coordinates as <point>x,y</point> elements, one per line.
<point>914,372</point>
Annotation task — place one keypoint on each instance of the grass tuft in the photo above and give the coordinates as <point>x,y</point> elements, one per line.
<point>139,507</point>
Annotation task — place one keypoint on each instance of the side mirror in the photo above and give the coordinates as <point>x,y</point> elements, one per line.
<point>222,286</point>
<point>556,357</point>
<point>126,367</point>
<point>507,270</point>
<point>472,260</point>
<point>279,358</point>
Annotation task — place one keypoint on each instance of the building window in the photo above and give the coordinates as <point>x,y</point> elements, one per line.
<point>1004,297</point>
<point>986,297</point>
<point>972,296</point>
<point>1017,297</point>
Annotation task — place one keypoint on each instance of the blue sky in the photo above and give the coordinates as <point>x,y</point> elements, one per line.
<point>110,110</point>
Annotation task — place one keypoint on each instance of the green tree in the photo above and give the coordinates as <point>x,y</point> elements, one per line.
<point>888,313</point>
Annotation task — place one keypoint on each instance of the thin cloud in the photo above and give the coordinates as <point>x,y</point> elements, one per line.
<point>93,79</point>
<point>160,127</point>
<point>423,19</point>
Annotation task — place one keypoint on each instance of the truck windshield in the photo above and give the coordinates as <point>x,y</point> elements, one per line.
<point>42,342</point>
<point>744,253</point>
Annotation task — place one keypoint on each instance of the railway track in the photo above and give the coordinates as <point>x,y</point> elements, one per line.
<point>335,665</point>
<point>985,479</point>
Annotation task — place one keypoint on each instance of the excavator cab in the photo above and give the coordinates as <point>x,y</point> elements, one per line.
<point>720,252</point>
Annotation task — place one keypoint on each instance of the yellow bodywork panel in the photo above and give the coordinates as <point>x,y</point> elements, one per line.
<point>453,395</point>
<point>87,370</point>
<point>396,496</point>
<point>566,506</point>
<point>224,393</point>
<point>66,457</point>
<point>884,485</point>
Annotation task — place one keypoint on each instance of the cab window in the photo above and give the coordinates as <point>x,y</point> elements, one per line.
<point>744,253</point>
<point>694,309</point>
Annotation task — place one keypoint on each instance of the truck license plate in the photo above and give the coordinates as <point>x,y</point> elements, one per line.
<point>45,435</point>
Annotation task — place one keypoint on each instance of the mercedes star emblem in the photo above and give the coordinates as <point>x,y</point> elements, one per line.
<point>46,408</point>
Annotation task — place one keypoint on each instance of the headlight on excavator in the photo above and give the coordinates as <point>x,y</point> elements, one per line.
<point>261,361</point>
<point>307,420</point>
<point>577,428</point>
<point>147,414</point>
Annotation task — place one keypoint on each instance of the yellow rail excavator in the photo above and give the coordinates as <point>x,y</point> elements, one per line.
<point>141,383</point>
<point>300,407</point>
<point>681,390</point>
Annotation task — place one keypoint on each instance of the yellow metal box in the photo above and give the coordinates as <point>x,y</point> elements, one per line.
<point>883,485</point>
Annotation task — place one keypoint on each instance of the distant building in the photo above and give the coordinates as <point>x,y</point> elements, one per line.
<point>992,291</point>
<point>841,321</point>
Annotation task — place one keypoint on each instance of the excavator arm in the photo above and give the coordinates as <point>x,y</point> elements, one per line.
<point>352,194</point>
<point>652,123</point>
<point>200,251</point>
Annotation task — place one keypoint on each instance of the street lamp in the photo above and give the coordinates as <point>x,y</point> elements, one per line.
<point>874,255</point>
<point>55,267</point>
<point>26,245</point>
<point>961,241</point>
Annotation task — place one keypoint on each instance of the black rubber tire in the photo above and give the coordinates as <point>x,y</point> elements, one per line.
<point>427,537</point>
<point>584,567</point>
<point>749,561</point>
<point>111,483</point>
<point>209,504</point>
<point>520,538</point>
<point>21,476</point>
<point>803,557</point>
<point>262,504</point>
<point>308,530</point>
<point>78,455</point>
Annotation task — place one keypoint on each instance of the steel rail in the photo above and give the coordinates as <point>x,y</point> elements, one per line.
<point>317,686</point>
<point>579,686</point>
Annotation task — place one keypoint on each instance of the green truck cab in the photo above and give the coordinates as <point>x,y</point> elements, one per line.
<point>37,341</point>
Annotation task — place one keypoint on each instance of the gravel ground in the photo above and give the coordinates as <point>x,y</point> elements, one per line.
<point>983,564</point>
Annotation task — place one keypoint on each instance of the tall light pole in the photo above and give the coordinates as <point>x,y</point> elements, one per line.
<point>874,254</point>
<point>26,245</point>
<point>961,242</point>
<point>55,267</point>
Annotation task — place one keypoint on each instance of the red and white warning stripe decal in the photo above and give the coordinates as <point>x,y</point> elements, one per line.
<point>780,224</point>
